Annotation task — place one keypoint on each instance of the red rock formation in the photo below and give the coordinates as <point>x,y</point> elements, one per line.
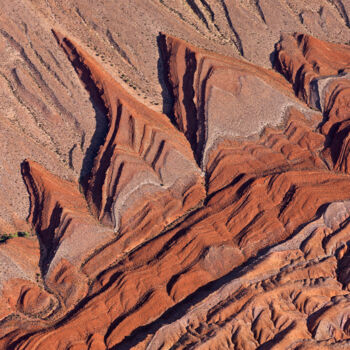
<point>47,116</point>
<point>66,230</point>
<point>144,176</point>
<point>262,264</point>
<point>214,108</point>
<point>19,262</point>
<point>303,58</point>
<point>127,247</point>
<point>209,91</point>
<point>288,297</point>
<point>147,283</point>
<point>319,72</point>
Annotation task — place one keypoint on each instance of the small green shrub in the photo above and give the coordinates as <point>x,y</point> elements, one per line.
<point>23,234</point>
<point>5,236</point>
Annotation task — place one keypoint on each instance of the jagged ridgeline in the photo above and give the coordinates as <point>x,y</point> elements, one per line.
<point>222,223</point>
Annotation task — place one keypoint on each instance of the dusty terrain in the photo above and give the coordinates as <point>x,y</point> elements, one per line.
<point>175,174</point>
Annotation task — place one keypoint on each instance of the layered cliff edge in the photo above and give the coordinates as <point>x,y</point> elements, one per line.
<point>225,226</point>
<point>222,224</point>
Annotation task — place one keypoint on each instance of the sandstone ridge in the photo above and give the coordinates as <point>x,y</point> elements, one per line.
<point>223,224</point>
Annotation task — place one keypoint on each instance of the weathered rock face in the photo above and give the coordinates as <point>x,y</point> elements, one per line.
<point>144,176</point>
<point>291,296</point>
<point>47,115</point>
<point>222,225</point>
<point>311,65</point>
<point>214,108</point>
<point>320,74</point>
<point>67,232</point>
<point>212,96</point>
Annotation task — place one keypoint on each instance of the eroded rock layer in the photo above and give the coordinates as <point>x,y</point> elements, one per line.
<point>212,96</point>
<point>222,226</point>
<point>144,176</point>
<point>66,230</point>
<point>47,115</point>
<point>320,73</point>
<point>296,295</point>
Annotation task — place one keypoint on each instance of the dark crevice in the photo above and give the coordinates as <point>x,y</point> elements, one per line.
<point>198,12</point>
<point>48,240</point>
<point>192,124</point>
<point>169,243</point>
<point>260,11</point>
<point>46,237</point>
<point>121,52</point>
<point>111,199</point>
<point>20,340</point>
<point>35,207</point>
<point>208,8</point>
<point>70,160</point>
<point>150,145</point>
<point>235,181</point>
<point>343,268</point>
<point>104,162</point>
<point>287,199</point>
<point>188,103</point>
<point>118,320</point>
<point>298,80</point>
<point>335,139</point>
<point>245,187</point>
<point>163,78</point>
<point>158,154</point>
<point>175,278</point>
<point>101,111</point>
<point>237,40</point>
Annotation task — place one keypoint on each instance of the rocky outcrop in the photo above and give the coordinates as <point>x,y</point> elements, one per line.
<point>144,176</point>
<point>311,65</point>
<point>291,296</point>
<point>212,96</point>
<point>215,110</point>
<point>262,263</point>
<point>223,223</point>
<point>21,291</point>
<point>320,73</point>
<point>67,232</point>
<point>47,115</point>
